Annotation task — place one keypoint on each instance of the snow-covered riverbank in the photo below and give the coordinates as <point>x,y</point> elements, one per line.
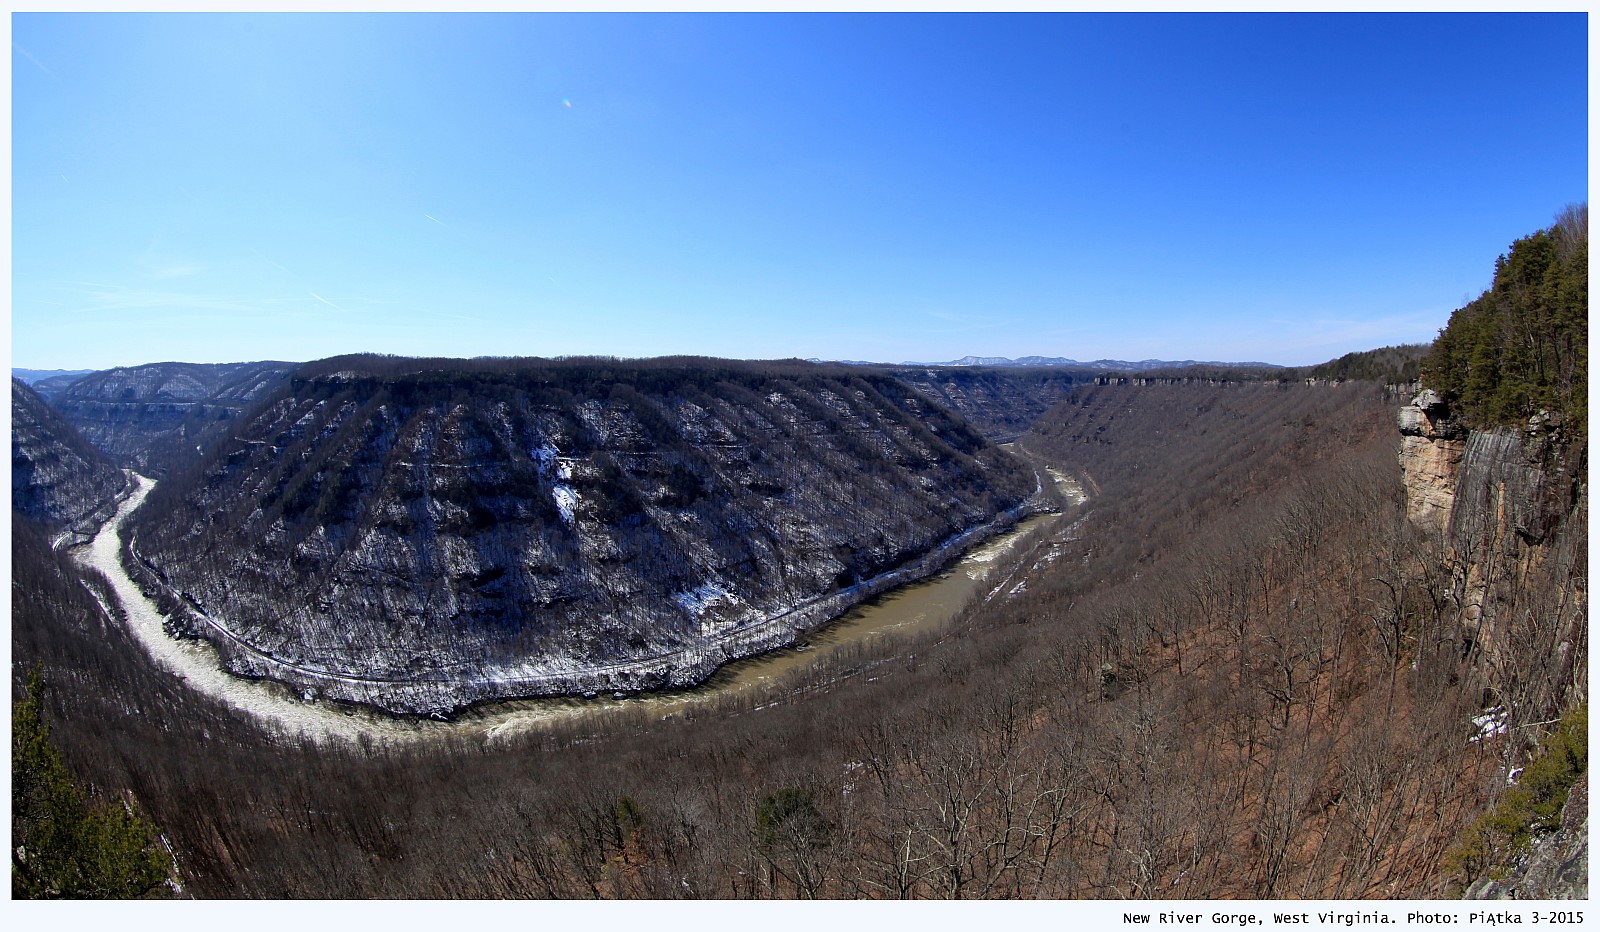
<point>195,662</point>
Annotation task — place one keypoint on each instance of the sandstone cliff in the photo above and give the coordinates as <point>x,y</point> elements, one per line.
<point>1431,447</point>
<point>1507,510</point>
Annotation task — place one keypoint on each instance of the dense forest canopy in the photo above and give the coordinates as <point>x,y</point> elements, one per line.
<point>1390,365</point>
<point>1522,346</point>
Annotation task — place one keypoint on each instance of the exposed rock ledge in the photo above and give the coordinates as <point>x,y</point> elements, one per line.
<point>1497,497</point>
<point>1558,866</point>
<point>1431,448</point>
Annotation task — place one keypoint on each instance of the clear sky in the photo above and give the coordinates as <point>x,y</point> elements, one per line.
<point>229,187</point>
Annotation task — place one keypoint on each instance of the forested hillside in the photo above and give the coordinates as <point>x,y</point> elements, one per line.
<point>1522,347</point>
<point>86,703</point>
<point>423,534</point>
<point>1389,365</point>
<point>162,416</point>
<point>56,477</point>
<point>1000,401</point>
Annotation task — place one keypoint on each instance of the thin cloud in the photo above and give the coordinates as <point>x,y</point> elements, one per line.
<point>161,273</point>
<point>1326,338</point>
<point>37,63</point>
<point>160,264</point>
<point>327,302</point>
<point>437,220</point>
<point>1378,328</point>
<point>133,299</point>
<point>275,265</point>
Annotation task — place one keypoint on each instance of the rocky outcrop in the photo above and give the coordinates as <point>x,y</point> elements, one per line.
<point>1508,508</point>
<point>1496,498</point>
<point>159,417</point>
<point>1431,449</point>
<point>1476,486</point>
<point>420,540</point>
<point>56,477</point>
<point>1557,867</point>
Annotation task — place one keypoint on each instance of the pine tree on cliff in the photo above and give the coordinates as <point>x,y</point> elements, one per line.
<point>64,845</point>
<point>1522,346</point>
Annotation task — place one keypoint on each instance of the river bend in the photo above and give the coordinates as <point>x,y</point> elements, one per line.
<point>915,606</point>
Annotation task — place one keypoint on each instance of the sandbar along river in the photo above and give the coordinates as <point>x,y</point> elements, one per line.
<point>916,606</point>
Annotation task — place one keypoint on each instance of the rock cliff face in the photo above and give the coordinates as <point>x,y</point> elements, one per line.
<point>1505,504</point>
<point>1431,447</point>
<point>56,477</point>
<point>1558,866</point>
<point>1508,508</point>
<point>157,417</point>
<point>421,537</point>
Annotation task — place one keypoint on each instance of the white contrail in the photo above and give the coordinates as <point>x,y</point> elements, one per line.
<point>437,220</point>
<point>29,56</point>
<point>326,301</point>
<point>275,265</point>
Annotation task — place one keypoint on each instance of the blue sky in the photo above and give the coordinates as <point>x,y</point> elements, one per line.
<point>227,187</point>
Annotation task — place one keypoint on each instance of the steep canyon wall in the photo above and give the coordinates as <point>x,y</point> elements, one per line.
<point>1507,508</point>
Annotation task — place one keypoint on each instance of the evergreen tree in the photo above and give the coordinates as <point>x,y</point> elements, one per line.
<point>62,844</point>
<point>1522,346</point>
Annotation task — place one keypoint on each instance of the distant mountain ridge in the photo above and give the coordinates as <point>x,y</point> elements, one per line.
<point>30,376</point>
<point>49,382</point>
<point>1119,365</point>
<point>160,415</point>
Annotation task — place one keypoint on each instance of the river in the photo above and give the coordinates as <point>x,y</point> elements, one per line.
<point>920,606</point>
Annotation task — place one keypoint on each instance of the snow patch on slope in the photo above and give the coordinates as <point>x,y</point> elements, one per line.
<point>566,501</point>
<point>553,464</point>
<point>698,600</point>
